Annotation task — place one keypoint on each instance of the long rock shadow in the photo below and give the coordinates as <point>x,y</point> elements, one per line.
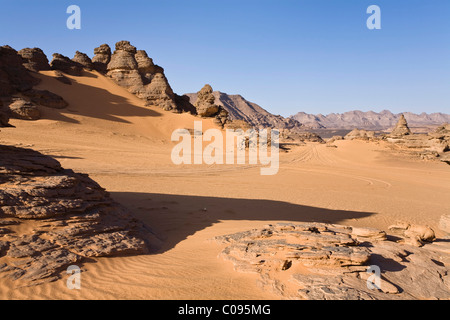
<point>175,217</point>
<point>90,101</point>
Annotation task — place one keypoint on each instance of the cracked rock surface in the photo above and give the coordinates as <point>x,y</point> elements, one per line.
<point>331,262</point>
<point>52,217</point>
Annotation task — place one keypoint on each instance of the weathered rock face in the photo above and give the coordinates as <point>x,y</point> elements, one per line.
<point>83,59</point>
<point>401,129</point>
<point>70,215</point>
<point>4,115</point>
<point>66,65</point>
<point>327,261</point>
<point>14,77</point>
<point>25,110</point>
<point>102,56</point>
<point>205,102</point>
<point>34,59</point>
<point>46,98</point>
<point>434,145</point>
<point>360,134</point>
<point>136,72</point>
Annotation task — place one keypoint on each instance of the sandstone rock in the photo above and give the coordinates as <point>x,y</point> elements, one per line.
<point>401,129</point>
<point>25,110</point>
<point>83,60</point>
<point>14,77</point>
<point>101,58</point>
<point>364,234</point>
<point>4,115</point>
<point>34,59</point>
<point>135,71</point>
<point>146,66</point>
<point>360,134</point>
<point>327,261</point>
<point>81,220</point>
<point>205,103</point>
<point>415,235</point>
<point>46,98</point>
<point>66,65</point>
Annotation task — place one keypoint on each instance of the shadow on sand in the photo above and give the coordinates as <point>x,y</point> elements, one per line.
<point>175,217</point>
<point>90,101</point>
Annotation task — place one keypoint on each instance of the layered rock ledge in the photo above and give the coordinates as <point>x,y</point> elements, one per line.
<point>328,261</point>
<point>67,215</point>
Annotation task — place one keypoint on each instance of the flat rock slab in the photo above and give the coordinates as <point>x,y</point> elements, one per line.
<point>72,218</point>
<point>331,262</point>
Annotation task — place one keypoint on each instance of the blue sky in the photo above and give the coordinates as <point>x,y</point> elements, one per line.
<point>315,56</point>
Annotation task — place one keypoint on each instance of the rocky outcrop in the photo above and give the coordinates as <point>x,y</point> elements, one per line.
<point>431,146</point>
<point>102,56</point>
<point>52,217</point>
<point>66,65</point>
<point>401,128</point>
<point>22,109</point>
<point>329,261</point>
<point>46,98</point>
<point>4,115</point>
<point>34,59</point>
<point>239,108</point>
<point>205,102</point>
<point>360,134</point>
<point>83,59</point>
<point>135,71</point>
<point>14,77</point>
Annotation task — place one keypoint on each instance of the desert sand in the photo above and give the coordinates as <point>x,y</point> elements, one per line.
<point>108,133</point>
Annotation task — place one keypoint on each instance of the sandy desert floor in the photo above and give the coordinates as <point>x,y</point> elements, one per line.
<point>108,133</point>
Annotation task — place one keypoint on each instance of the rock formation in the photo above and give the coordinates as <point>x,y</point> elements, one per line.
<point>83,59</point>
<point>34,59</point>
<point>14,77</point>
<point>4,115</point>
<point>205,102</point>
<point>102,56</point>
<point>46,98</point>
<point>51,218</point>
<point>239,108</point>
<point>328,261</point>
<point>25,110</point>
<point>401,128</point>
<point>135,71</point>
<point>360,134</point>
<point>66,65</point>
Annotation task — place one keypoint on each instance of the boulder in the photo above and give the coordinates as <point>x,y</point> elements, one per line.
<point>66,65</point>
<point>34,59</point>
<point>83,59</point>
<point>205,102</point>
<point>102,56</point>
<point>360,134</point>
<point>401,128</point>
<point>46,98</point>
<point>25,110</point>
<point>14,77</point>
<point>4,115</point>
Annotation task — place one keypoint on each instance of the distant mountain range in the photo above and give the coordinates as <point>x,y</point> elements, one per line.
<point>241,109</point>
<point>368,120</point>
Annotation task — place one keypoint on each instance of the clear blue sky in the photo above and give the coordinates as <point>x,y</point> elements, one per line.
<point>315,56</point>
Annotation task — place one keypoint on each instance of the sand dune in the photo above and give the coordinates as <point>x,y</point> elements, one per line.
<point>109,134</point>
